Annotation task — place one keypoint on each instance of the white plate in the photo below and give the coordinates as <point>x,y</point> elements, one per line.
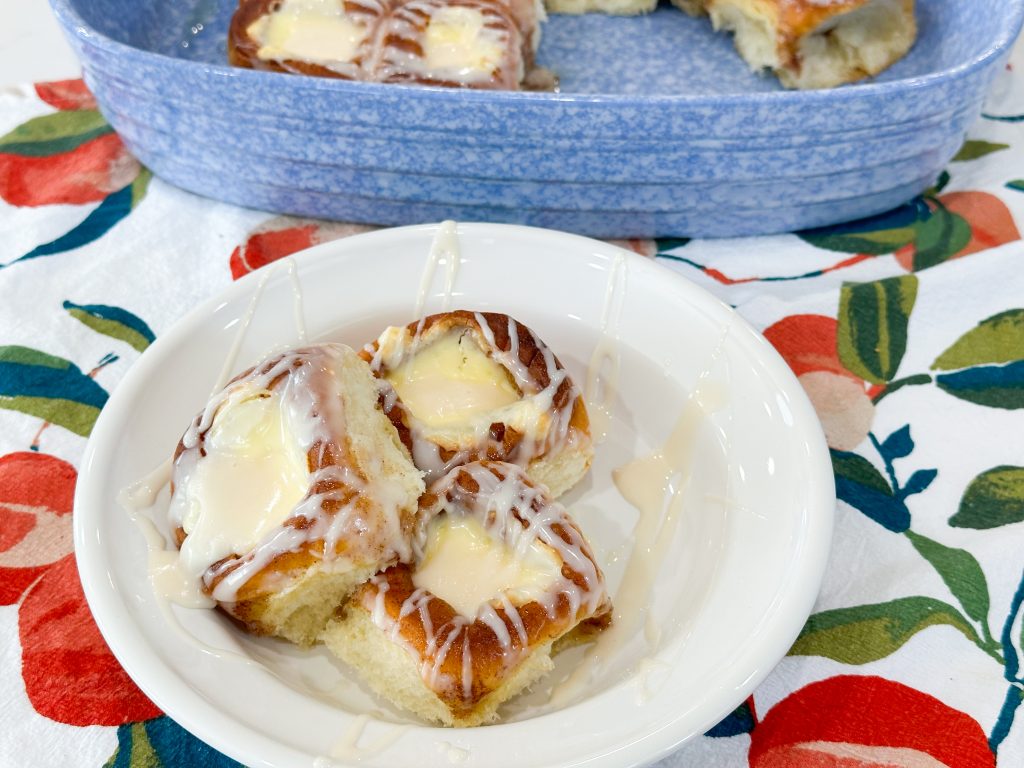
<point>739,579</point>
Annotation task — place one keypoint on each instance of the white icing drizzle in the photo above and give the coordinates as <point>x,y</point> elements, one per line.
<point>307,382</point>
<point>444,246</point>
<point>298,305</point>
<point>655,485</point>
<point>231,360</point>
<point>349,747</point>
<point>543,427</point>
<point>453,753</point>
<point>519,514</point>
<point>602,388</point>
<point>492,58</point>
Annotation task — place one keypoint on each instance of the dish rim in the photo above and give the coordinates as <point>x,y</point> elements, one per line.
<point>71,19</point>
<point>225,731</point>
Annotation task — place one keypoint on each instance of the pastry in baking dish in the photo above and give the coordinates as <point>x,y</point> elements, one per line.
<point>815,43</point>
<point>487,44</point>
<point>461,386</point>
<point>291,488</point>
<point>500,573</point>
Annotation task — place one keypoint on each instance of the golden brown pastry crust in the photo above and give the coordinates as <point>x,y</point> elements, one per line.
<point>440,638</point>
<point>498,335</point>
<point>336,492</point>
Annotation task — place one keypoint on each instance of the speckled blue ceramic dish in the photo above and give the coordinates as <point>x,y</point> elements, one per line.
<point>662,132</point>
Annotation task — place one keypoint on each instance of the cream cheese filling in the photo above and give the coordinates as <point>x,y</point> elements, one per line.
<point>452,380</point>
<point>457,39</point>
<point>467,567</point>
<point>316,31</point>
<point>252,476</point>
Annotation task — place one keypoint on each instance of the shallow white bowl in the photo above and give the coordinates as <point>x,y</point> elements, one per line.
<point>741,571</point>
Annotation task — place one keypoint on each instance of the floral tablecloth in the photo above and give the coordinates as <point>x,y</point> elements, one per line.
<point>906,330</point>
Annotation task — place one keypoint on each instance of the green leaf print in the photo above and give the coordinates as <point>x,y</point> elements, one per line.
<point>864,488</point>
<point>133,749</point>
<point>974,149</point>
<point>961,573</point>
<point>996,340</point>
<point>55,133</point>
<point>873,320</point>
<point>994,498</point>
<point>941,236</point>
<point>50,388</point>
<point>867,633</point>
<point>114,322</point>
<point>874,236</point>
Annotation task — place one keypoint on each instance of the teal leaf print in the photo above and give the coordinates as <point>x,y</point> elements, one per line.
<point>918,482</point>
<point>55,133</point>
<point>50,388</point>
<point>873,319</point>
<point>993,499</point>
<point>740,720</point>
<point>114,322</point>
<point>974,149</point>
<point>100,220</point>
<point>864,488</point>
<point>991,386</point>
<point>961,573</point>
<point>665,244</point>
<point>897,445</point>
<point>940,184</point>
<point>162,743</point>
<point>866,633</point>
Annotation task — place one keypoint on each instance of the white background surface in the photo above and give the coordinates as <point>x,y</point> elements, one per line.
<point>32,46</point>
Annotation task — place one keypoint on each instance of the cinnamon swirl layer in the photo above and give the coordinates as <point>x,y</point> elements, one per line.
<point>290,488</point>
<point>500,572</point>
<point>462,386</point>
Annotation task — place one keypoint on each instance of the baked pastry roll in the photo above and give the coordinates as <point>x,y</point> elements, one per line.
<point>462,386</point>
<point>330,38</point>
<point>500,573</point>
<point>458,43</point>
<point>455,43</point>
<point>815,43</point>
<point>289,489</point>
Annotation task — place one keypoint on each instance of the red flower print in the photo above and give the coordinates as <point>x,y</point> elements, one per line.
<point>66,94</point>
<point>283,236</point>
<point>647,248</point>
<point>866,722</point>
<point>840,398</point>
<point>70,675</point>
<point>71,156</point>
<point>85,174</point>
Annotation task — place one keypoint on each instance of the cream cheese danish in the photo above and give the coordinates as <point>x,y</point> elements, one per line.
<point>289,489</point>
<point>499,574</point>
<point>814,43</point>
<point>462,386</point>
<point>484,44</point>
